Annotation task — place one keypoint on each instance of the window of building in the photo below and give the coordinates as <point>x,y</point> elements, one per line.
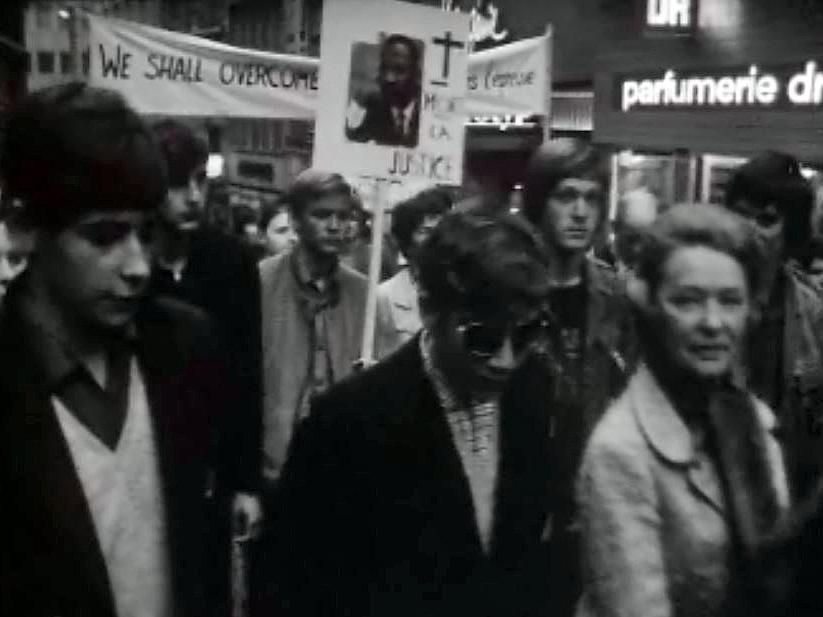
<point>45,62</point>
<point>65,62</point>
<point>44,15</point>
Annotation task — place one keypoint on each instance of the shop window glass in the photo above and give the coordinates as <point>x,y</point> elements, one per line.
<point>65,63</point>
<point>45,62</point>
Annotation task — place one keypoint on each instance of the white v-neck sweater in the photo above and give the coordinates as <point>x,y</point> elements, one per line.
<point>124,493</point>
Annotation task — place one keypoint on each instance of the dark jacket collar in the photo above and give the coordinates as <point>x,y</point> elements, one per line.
<point>521,505</point>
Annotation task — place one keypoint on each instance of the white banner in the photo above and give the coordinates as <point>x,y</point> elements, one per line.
<point>165,72</point>
<point>511,79</point>
<point>393,80</point>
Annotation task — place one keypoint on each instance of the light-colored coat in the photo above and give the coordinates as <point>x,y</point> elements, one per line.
<point>656,539</point>
<point>286,338</point>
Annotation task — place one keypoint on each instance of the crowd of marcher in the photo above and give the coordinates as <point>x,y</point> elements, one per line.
<point>537,431</point>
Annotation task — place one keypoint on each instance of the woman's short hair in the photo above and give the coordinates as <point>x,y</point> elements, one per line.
<point>271,209</point>
<point>72,149</point>
<point>409,214</point>
<point>556,161</point>
<point>774,178</point>
<point>182,149</point>
<point>704,225</point>
<point>313,184</point>
<point>482,262</point>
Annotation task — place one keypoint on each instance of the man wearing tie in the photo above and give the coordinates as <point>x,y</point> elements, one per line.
<point>390,116</point>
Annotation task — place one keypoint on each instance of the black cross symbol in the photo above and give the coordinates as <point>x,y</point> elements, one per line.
<point>448,43</point>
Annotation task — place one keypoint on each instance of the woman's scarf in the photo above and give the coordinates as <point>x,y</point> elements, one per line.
<point>760,568</point>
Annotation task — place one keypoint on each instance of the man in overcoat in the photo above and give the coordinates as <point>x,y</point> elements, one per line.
<point>106,395</point>
<point>421,487</point>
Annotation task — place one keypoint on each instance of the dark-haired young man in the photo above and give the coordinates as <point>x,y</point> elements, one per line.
<point>784,365</point>
<point>217,273</point>
<point>107,395</point>
<point>565,198</point>
<point>312,308</point>
<point>390,116</point>
<point>420,487</point>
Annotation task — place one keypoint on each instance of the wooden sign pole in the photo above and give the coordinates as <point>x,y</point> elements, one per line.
<point>380,195</point>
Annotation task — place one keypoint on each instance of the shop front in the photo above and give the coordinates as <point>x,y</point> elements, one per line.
<point>682,108</point>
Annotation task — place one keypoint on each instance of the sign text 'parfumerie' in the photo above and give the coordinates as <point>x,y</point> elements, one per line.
<point>751,87</point>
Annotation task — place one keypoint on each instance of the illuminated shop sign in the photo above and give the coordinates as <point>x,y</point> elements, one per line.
<point>787,87</point>
<point>671,16</point>
<point>502,120</point>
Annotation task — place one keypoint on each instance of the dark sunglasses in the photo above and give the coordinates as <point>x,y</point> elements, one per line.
<point>765,215</point>
<point>484,340</point>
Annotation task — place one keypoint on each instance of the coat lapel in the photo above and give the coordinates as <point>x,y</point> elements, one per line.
<point>671,439</point>
<point>49,466</point>
<point>521,502</point>
<point>160,366</point>
<point>703,478</point>
<point>443,469</point>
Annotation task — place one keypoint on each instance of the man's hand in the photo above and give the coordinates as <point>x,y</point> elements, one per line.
<point>363,364</point>
<point>247,516</point>
<point>355,114</point>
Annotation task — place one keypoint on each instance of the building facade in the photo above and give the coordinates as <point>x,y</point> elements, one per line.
<point>57,36</point>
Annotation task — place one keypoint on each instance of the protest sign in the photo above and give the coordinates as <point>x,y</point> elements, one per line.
<point>393,79</point>
<point>511,79</point>
<point>164,72</point>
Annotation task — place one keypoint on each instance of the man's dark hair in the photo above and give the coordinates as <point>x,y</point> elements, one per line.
<point>182,148</point>
<point>408,42</point>
<point>554,162</point>
<point>410,213</point>
<point>478,261</point>
<point>313,184</point>
<point>774,178</point>
<point>72,149</point>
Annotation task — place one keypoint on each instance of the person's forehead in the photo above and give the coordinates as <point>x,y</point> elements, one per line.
<point>281,219</point>
<point>397,52</point>
<point>116,216</point>
<point>579,183</point>
<point>340,203</point>
<point>699,266</point>
<point>197,173</point>
<point>504,313</point>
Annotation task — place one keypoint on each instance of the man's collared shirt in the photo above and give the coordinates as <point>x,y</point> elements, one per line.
<point>403,117</point>
<point>320,374</point>
<point>475,430</point>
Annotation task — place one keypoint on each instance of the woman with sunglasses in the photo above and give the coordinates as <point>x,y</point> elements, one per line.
<point>421,486</point>
<point>683,483</point>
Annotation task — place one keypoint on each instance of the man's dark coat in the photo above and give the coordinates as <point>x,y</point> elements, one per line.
<point>377,516</point>
<point>51,562</point>
<point>379,125</point>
